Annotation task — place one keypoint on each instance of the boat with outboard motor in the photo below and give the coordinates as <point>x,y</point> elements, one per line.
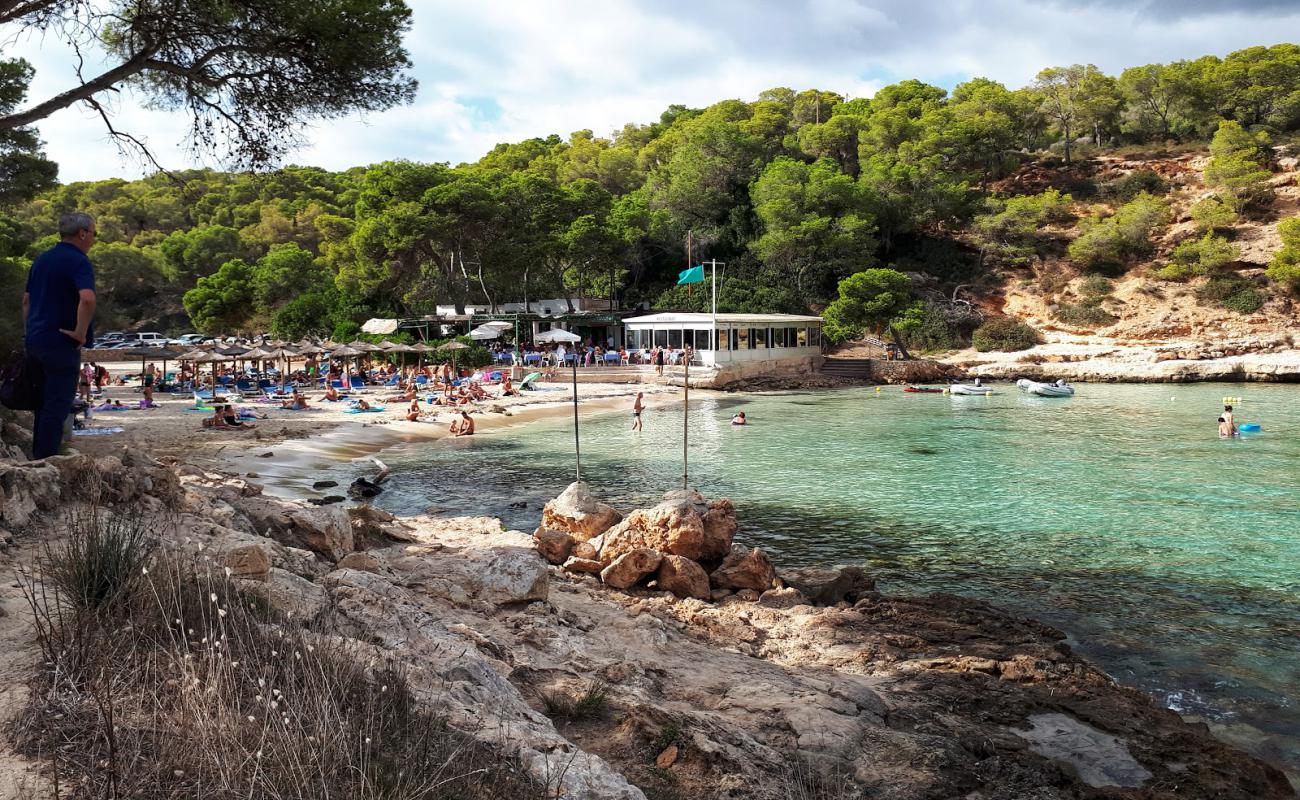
<point>1057,389</point>
<point>969,389</point>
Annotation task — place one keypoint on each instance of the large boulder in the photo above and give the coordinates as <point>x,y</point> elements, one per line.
<point>28,488</point>
<point>743,569</point>
<point>555,546</point>
<point>323,529</point>
<point>827,587</point>
<point>244,555</point>
<point>577,512</point>
<point>289,594</point>
<point>682,524</point>
<point>625,571</point>
<point>683,577</point>
<point>514,575</point>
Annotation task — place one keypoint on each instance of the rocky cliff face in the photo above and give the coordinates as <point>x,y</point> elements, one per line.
<point>803,681</point>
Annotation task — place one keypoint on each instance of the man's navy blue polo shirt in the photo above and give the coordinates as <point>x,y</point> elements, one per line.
<point>54,284</point>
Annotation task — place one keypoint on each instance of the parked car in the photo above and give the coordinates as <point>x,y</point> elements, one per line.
<point>188,339</point>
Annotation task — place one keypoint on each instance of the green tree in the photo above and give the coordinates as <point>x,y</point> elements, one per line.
<point>1077,98</point>
<point>1109,243</point>
<point>129,280</point>
<point>1285,267</point>
<point>1012,229</point>
<point>222,303</point>
<point>1260,86</point>
<point>817,226</point>
<point>868,300</point>
<point>1238,167</point>
<point>249,73</point>
<point>24,170</point>
<point>285,272</point>
<point>200,252</point>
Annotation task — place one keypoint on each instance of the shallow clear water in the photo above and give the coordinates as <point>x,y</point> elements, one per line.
<point>1171,557</point>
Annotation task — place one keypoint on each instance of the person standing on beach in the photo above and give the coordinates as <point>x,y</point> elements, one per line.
<point>58,306</point>
<point>637,408</point>
<point>658,358</point>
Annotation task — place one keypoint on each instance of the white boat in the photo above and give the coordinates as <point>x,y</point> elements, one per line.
<point>969,388</point>
<point>1045,389</point>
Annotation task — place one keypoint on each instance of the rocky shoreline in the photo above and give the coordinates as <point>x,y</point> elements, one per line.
<point>720,689</point>
<point>1263,359</point>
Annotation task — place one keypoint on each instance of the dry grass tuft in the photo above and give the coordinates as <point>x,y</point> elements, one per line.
<point>161,681</point>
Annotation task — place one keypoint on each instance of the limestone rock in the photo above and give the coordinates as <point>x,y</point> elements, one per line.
<point>577,512</point>
<point>27,488</point>
<point>514,575</point>
<point>365,562</point>
<point>782,598</point>
<point>719,529</point>
<point>245,556</point>
<point>683,577</point>
<point>624,571</point>
<point>673,526</point>
<point>827,587</point>
<point>288,594</point>
<point>667,758</point>
<point>325,529</point>
<point>589,550</point>
<point>555,546</point>
<point>744,570</point>
<point>575,564</point>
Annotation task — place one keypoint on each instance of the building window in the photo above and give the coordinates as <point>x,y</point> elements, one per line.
<point>688,338</point>
<point>803,337</point>
<point>661,338</point>
<point>675,339</point>
<point>702,339</point>
<point>724,339</point>
<point>815,337</point>
<point>742,339</point>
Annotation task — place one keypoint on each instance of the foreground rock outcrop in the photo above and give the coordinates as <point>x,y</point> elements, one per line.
<point>757,694</point>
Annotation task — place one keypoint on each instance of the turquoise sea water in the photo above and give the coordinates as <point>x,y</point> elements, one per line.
<point>1171,557</point>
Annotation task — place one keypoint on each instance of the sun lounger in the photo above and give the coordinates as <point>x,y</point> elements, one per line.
<point>371,410</point>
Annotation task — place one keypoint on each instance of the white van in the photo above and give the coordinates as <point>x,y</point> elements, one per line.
<point>148,339</point>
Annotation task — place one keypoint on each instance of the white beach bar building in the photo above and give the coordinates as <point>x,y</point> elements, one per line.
<point>734,345</point>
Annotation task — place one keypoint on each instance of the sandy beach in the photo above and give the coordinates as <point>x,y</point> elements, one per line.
<point>296,441</point>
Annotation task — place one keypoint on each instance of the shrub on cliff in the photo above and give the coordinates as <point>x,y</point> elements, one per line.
<point>1204,256</point>
<point>1231,292</point>
<point>1212,215</point>
<point>1285,268</point>
<point>1108,243</point>
<point>1004,334</point>
<point>1238,167</point>
<point>1087,313</point>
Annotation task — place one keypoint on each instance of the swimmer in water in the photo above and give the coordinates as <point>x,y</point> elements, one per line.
<point>739,419</point>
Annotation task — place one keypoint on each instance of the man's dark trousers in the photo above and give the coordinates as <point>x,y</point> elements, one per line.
<point>60,366</point>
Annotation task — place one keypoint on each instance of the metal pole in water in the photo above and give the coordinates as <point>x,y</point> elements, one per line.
<point>686,404</point>
<point>577,454</point>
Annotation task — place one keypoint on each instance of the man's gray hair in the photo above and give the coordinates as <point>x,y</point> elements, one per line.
<point>72,224</point>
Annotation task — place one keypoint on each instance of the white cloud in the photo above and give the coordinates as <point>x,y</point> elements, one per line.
<point>512,69</point>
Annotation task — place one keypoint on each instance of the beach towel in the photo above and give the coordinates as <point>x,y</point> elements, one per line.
<point>96,431</point>
<point>371,410</point>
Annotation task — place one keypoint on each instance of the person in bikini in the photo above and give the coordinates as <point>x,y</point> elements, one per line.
<point>413,413</point>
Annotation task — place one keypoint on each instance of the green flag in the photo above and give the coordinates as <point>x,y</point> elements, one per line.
<point>691,275</point>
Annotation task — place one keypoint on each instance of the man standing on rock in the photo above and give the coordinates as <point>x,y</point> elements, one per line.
<point>57,309</point>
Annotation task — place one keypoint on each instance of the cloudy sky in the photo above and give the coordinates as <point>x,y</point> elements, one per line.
<point>505,70</point>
